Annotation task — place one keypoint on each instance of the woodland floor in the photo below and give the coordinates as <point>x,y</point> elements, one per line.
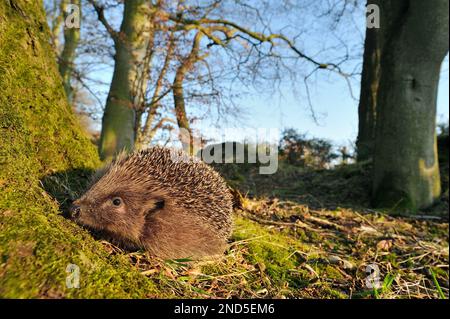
<point>313,239</point>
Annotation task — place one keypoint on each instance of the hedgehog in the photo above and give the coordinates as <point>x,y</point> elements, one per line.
<point>161,200</point>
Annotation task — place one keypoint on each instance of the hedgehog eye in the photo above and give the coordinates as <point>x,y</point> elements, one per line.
<point>159,204</point>
<point>116,201</point>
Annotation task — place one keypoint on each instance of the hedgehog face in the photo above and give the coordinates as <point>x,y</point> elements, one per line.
<point>122,214</point>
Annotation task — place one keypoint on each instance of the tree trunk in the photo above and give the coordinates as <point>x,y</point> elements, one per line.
<point>129,80</point>
<point>370,77</point>
<point>178,95</point>
<point>57,20</point>
<point>71,38</point>
<point>44,156</point>
<point>406,171</point>
<point>368,95</point>
<point>180,112</point>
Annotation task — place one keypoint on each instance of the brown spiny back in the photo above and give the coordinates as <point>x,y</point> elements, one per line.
<point>196,218</point>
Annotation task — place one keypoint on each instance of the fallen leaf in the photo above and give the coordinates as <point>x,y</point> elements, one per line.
<point>385,244</point>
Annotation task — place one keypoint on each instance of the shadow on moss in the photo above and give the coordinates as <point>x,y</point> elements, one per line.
<point>66,186</point>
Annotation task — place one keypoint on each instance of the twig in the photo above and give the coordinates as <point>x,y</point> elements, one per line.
<point>324,222</point>
<point>297,223</point>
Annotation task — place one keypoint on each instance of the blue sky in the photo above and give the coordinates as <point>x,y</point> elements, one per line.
<point>335,107</point>
<point>338,120</point>
<point>332,102</point>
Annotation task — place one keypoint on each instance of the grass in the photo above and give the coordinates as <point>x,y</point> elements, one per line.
<point>436,284</point>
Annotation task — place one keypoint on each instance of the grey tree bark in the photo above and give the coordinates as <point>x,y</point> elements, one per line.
<point>67,57</point>
<point>406,171</point>
<point>178,94</point>
<point>130,77</point>
<point>368,94</point>
<point>370,77</point>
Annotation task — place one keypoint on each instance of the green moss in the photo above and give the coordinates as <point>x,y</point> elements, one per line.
<point>276,252</point>
<point>392,258</point>
<point>331,272</point>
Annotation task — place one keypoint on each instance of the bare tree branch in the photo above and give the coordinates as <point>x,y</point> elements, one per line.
<point>101,17</point>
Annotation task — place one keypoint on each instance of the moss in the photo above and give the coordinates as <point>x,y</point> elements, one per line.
<point>34,262</point>
<point>275,252</point>
<point>331,272</point>
<point>392,258</point>
<point>40,137</point>
<point>333,293</point>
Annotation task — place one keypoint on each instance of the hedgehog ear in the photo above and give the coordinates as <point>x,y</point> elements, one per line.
<point>157,204</point>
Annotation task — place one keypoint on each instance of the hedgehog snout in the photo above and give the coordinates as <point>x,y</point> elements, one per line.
<point>75,211</point>
<point>78,208</point>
